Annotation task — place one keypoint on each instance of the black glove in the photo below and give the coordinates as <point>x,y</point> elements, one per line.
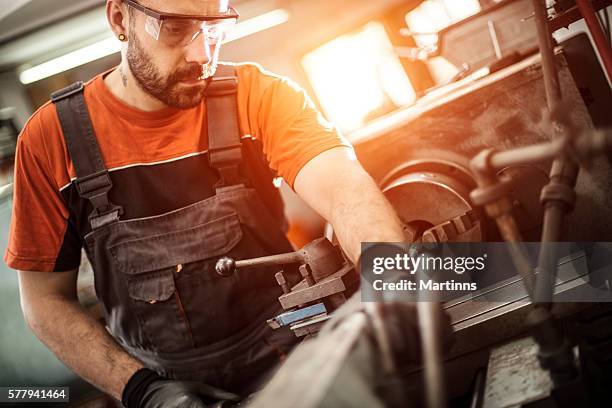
<point>147,389</point>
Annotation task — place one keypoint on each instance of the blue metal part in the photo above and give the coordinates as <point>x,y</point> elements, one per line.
<point>293,316</point>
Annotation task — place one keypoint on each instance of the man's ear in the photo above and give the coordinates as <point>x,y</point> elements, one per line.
<point>118,17</point>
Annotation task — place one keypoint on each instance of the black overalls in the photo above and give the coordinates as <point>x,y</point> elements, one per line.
<point>161,297</point>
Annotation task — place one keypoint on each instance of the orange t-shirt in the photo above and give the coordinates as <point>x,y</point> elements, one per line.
<point>157,161</point>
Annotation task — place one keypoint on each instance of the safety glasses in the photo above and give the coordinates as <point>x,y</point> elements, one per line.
<point>179,30</point>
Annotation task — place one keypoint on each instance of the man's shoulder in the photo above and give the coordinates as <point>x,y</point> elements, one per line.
<point>259,81</point>
<point>252,72</point>
<point>44,124</point>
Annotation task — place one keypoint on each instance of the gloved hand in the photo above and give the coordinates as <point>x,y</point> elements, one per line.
<point>147,389</point>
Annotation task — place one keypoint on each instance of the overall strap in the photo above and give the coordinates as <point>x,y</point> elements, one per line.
<point>224,144</point>
<point>92,179</point>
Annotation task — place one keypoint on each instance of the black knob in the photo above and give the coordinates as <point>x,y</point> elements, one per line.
<point>225,267</point>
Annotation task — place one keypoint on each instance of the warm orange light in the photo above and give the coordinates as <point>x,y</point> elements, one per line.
<point>434,15</point>
<point>357,75</point>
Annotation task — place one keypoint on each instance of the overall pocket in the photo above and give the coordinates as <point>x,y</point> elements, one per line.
<point>151,266</point>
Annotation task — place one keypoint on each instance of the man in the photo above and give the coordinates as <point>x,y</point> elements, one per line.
<point>156,196</point>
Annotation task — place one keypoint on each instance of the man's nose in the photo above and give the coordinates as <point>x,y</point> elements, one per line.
<point>199,51</point>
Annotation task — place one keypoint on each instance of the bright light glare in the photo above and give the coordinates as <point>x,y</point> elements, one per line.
<point>460,9</point>
<point>257,24</point>
<point>111,45</point>
<point>356,75</point>
<point>71,60</point>
<point>434,15</point>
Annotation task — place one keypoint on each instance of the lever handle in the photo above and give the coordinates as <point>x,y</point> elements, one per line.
<point>227,266</point>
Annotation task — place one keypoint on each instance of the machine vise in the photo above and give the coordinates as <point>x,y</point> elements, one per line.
<point>327,280</point>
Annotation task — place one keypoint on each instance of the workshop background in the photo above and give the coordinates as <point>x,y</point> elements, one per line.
<point>362,67</point>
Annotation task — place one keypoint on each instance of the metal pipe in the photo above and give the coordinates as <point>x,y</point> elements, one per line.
<point>526,155</point>
<point>552,224</point>
<point>509,231</point>
<point>430,328</point>
<point>557,198</point>
<point>601,42</point>
<point>271,260</point>
<point>555,209</point>
<point>500,209</point>
<point>551,78</point>
<point>590,143</point>
<point>548,257</point>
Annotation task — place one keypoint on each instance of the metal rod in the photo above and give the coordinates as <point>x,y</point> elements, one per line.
<point>557,198</point>
<point>500,211</point>
<point>430,329</point>
<point>280,259</point>
<point>591,143</point>
<point>510,232</point>
<point>551,79</point>
<point>527,155</point>
<point>601,42</point>
<point>548,257</point>
<point>479,386</point>
<point>555,209</point>
<point>494,39</point>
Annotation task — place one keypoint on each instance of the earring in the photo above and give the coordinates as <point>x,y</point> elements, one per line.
<point>122,37</point>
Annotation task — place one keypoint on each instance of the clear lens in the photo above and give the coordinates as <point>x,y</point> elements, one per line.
<point>179,32</point>
<point>153,26</point>
<point>217,32</point>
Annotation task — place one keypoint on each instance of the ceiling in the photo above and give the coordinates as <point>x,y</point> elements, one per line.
<point>32,31</point>
<point>19,17</point>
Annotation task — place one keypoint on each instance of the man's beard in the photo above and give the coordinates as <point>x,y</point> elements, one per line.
<point>167,89</point>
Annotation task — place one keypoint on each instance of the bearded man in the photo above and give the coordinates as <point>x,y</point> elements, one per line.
<point>157,168</point>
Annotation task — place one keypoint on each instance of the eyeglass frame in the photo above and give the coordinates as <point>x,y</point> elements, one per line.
<point>162,16</point>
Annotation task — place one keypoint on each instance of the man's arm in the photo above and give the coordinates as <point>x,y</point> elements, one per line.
<point>336,186</point>
<point>51,308</point>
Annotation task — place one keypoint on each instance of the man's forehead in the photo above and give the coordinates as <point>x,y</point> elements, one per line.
<point>195,7</point>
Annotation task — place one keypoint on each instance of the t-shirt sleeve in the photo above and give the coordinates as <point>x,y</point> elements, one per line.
<point>292,130</point>
<point>39,222</point>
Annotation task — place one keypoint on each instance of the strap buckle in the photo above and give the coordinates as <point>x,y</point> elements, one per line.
<point>93,183</point>
<point>99,219</point>
<point>226,160</point>
<point>228,176</point>
<point>95,188</point>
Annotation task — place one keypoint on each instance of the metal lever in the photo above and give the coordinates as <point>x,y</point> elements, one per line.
<point>227,266</point>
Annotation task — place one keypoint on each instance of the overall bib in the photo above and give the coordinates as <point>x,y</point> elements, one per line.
<point>161,297</point>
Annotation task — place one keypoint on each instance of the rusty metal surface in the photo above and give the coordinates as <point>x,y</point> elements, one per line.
<point>514,376</point>
<point>502,30</point>
<point>503,110</point>
<point>500,111</point>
